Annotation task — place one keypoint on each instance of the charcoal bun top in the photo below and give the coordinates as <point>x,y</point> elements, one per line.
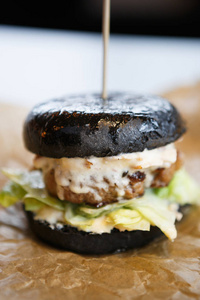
<point>87,125</point>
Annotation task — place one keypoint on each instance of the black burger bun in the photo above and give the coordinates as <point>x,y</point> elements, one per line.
<point>87,125</point>
<point>70,238</point>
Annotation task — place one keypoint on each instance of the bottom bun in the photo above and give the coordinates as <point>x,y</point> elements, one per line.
<point>72,239</point>
<point>69,238</point>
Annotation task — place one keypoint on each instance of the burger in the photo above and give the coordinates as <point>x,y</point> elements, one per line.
<point>106,176</point>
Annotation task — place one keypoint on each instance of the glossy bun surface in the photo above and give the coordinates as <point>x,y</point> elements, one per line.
<point>87,125</point>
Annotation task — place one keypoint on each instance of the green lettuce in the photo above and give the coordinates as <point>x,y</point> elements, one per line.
<point>33,185</point>
<point>77,220</point>
<point>158,212</point>
<point>182,189</point>
<point>31,204</point>
<point>128,219</point>
<point>11,193</point>
<point>136,214</point>
<point>123,219</point>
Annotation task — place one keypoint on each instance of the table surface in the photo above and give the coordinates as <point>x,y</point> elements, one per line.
<point>36,65</point>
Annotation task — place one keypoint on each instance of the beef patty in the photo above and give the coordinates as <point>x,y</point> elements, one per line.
<point>135,188</point>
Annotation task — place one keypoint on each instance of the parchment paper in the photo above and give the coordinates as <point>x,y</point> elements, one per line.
<point>30,269</point>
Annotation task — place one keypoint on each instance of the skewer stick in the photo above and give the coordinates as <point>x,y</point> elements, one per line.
<point>106,32</point>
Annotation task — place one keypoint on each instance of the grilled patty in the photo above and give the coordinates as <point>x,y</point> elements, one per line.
<point>135,188</point>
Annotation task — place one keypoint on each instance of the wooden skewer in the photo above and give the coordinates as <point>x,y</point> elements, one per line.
<point>106,32</point>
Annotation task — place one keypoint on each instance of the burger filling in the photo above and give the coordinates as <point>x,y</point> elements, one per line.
<point>128,192</point>
<point>98,181</point>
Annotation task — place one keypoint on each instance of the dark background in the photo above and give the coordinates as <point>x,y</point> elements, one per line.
<point>146,17</point>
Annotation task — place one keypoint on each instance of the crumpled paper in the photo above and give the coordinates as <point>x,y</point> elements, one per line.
<point>30,269</point>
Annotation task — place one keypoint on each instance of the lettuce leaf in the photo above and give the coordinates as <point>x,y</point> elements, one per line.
<point>182,189</point>
<point>127,219</point>
<point>73,219</point>
<point>11,193</point>
<point>93,212</point>
<point>137,214</point>
<point>31,204</point>
<point>32,183</point>
<point>158,212</point>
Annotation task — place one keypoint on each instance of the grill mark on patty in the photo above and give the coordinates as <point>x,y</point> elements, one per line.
<point>137,176</point>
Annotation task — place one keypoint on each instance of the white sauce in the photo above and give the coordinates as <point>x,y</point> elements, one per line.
<point>82,175</point>
<point>49,214</point>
